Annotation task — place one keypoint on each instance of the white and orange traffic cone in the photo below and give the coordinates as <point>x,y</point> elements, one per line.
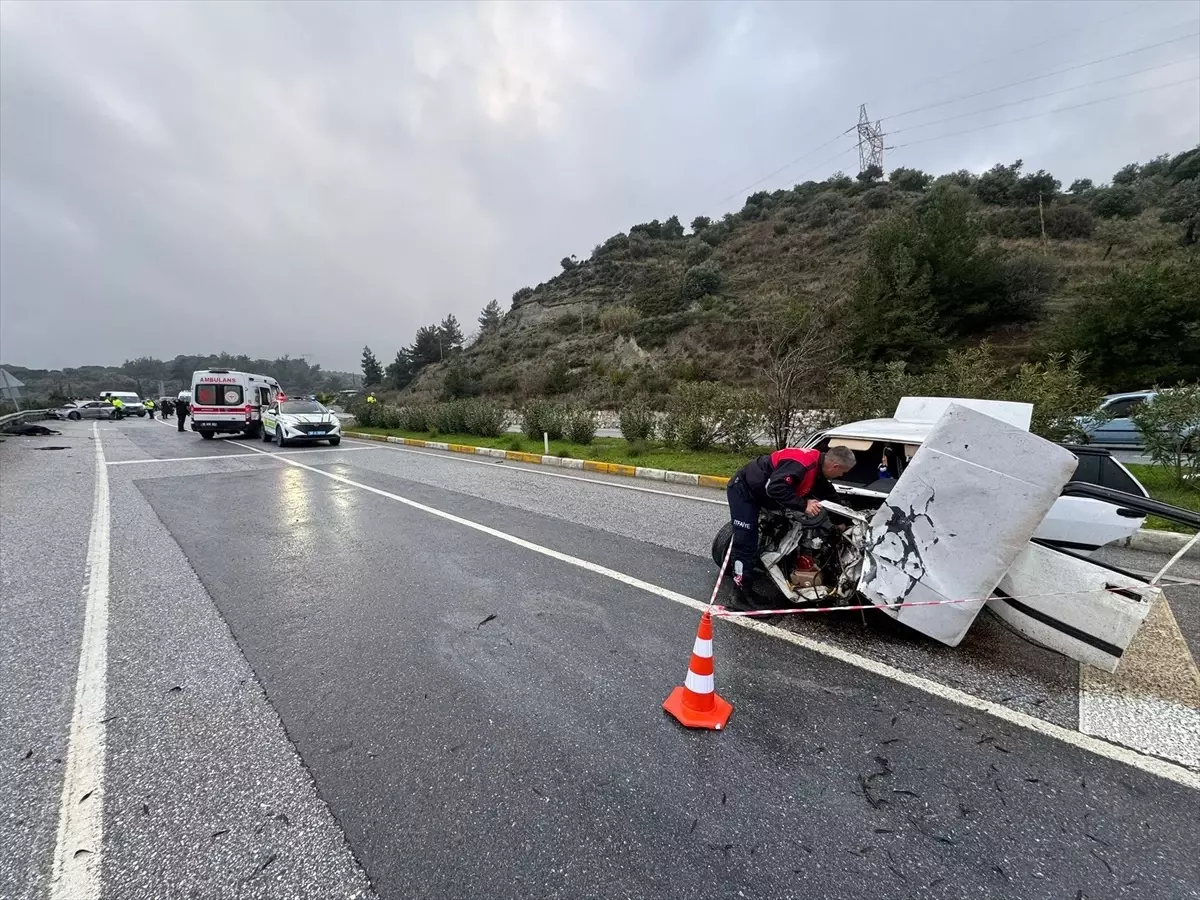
<point>695,703</point>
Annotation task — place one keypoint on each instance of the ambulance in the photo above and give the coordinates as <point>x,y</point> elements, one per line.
<point>228,402</point>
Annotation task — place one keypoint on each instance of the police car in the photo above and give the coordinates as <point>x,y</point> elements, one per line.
<point>297,421</point>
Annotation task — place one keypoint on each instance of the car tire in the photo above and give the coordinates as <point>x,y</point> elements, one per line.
<point>280,442</point>
<point>141,414</point>
<point>74,416</point>
<point>207,435</point>
<point>721,543</point>
<point>254,430</point>
<point>334,441</point>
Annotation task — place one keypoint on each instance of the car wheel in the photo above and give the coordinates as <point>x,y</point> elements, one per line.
<point>279,441</point>
<point>721,543</point>
<point>207,435</point>
<point>334,441</point>
<point>141,414</point>
<point>74,416</point>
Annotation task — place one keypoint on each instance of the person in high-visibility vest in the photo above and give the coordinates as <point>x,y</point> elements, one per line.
<point>118,406</point>
<point>149,404</point>
<point>371,398</point>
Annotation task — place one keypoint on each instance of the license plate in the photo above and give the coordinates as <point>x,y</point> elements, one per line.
<point>316,432</point>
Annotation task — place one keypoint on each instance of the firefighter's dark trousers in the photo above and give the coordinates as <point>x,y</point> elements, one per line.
<point>743,512</point>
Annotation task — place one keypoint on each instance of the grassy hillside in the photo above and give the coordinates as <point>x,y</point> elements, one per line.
<point>657,305</point>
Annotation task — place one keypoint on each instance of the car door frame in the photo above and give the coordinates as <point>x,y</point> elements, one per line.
<point>272,410</point>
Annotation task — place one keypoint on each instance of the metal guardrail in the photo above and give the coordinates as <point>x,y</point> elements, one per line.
<point>18,417</point>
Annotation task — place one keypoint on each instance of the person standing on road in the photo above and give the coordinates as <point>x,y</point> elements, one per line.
<point>118,407</point>
<point>149,404</point>
<point>168,409</point>
<point>181,411</point>
<point>789,479</point>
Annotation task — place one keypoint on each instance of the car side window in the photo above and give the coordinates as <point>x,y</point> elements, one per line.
<point>1122,409</point>
<point>1088,470</point>
<point>1113,476</point>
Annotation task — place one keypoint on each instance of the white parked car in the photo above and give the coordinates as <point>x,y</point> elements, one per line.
<point>1078,523</point>
<point>300,421</point>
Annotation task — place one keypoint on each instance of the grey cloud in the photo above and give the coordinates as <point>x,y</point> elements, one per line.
<point>304,178</point>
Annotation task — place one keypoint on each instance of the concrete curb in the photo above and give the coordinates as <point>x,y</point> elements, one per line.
<point>587,465</point>
<point>1167,542</point>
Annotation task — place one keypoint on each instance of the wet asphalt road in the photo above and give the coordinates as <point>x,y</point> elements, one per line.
<point>312,685</point>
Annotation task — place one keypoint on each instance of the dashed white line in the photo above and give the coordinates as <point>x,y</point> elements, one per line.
<point>1150,764</point>
<point>78,851</point>
<point>458,457</point>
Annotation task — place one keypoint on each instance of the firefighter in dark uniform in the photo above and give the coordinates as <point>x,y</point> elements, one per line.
<point>790,479</point>
<point>181,411</point>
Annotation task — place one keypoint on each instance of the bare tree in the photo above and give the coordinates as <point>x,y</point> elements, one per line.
<point>797,348</point>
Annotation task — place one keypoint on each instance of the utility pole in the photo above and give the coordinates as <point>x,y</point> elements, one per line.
<point>870,141</point>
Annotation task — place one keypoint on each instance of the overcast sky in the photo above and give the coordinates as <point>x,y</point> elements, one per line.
<point>304,178</point>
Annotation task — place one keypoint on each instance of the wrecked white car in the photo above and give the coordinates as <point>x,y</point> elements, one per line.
<point>957,526</point>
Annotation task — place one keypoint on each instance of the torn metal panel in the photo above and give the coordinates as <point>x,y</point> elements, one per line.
<point>1041,597</point>
<point>959,516</point>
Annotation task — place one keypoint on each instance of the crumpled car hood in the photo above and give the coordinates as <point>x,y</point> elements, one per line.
<point>957,519</point>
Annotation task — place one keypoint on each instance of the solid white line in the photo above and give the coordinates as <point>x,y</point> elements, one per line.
<point>130,462</point>
<point>78,850</point>
<point>1150,764</point>
<point>460,457</point>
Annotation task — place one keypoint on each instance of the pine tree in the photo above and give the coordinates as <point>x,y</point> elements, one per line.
<point>399,372</point>
<point>451,336</point>
<point>372,371</point>
<point>426,348</point>
<point>489,319</point>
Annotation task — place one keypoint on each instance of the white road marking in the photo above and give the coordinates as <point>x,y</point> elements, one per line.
<point>459,457</point>
<point>1150,764</point>
<point>78,851</point>
<point>149,459</point>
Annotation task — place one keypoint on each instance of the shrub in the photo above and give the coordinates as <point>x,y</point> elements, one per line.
<point>879,197</point>
<point>1069,220</point>
<point>637,421</point>
<point>780,228</point>
<point>1170,427</point>
<point>704,414</point>
<point>415,418</point>
<point>485,418</point>
<point>450,418</point>
<point>619,319</point>
<point>1059,393</point>
<point>697,252</point>
<point>579,425</point>
<point>1028,280</point>
<point>700,280</point>
<point>1022,222</point>
<point>909,179</point>
<point>539,417</point>
<point>1139,327</point>
<point>1118,201</point>
<point>521,294</point>
<point>386,416</point>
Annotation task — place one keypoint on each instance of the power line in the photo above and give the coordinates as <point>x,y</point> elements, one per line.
<point>1077,87</point>
<point>788,165</point>
<point>1157,87</point>
<point>1008,53</point>
<point>1040,77</point>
